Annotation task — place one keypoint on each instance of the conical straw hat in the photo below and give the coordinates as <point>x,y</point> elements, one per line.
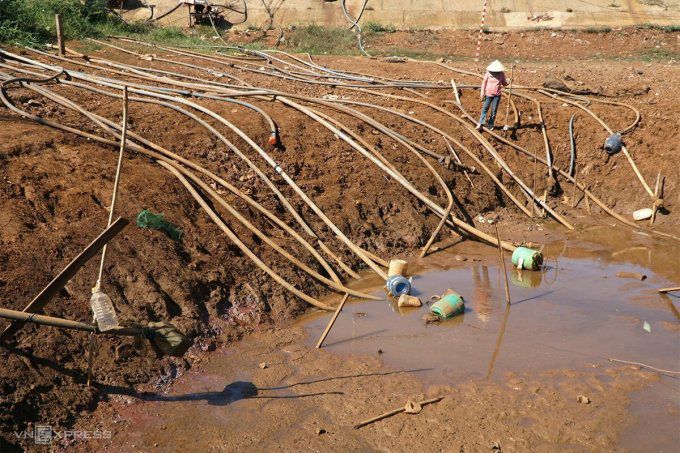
<point>495,66</point>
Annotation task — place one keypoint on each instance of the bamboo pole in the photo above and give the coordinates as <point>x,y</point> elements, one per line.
<point>60,34</point>
<point>668,290</point>
<point>24,317</point>
<point>41,300</point>
<point>505,272</point>
<point>332,321</point>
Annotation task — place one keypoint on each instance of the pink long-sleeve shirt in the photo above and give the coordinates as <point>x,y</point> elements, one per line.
<point>492,83</point>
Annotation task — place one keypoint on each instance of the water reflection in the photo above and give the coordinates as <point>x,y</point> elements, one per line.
<point>480,301</point>
<point>526,279</point>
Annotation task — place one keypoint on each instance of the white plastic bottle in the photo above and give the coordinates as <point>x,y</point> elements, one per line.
<point>104,313</point>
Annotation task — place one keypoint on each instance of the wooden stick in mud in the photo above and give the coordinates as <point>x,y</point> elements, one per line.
<point>585,194</point>
<point>455,91</point>
<point>53,288</point>
<point>668,290</point>
<point>395,412</point>
<point>332,321</point>
<point>60,35</point>
<point>505,272</point>
<point>658,197</point>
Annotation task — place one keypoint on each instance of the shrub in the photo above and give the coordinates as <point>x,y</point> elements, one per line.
<point>375,27</point>
<point>32,21</point>
<point>316,39</point>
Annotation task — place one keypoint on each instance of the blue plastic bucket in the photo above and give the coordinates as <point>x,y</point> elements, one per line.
<point>398,285</point>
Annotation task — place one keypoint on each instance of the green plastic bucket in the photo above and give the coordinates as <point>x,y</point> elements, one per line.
<point>450,305</point>
<point>526,258</point>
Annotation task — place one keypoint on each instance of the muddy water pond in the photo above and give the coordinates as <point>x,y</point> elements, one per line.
<point>574,314</point>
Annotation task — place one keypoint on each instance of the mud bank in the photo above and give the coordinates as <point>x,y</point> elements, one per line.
<point>55,187</point>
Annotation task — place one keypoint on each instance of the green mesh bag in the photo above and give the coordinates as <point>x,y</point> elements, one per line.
<point>168,339</point>
<point>147,219</point>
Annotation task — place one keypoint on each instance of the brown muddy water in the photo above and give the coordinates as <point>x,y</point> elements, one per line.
<point>574,314</point>
<point>272,390</point>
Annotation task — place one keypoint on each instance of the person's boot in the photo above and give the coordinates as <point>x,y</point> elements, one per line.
<point>479,126</point>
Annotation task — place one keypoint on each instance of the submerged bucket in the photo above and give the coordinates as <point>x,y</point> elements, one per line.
<point>613,144</point>
<point>451,304</point>
<point>398,285</point>
<point>526,258</point>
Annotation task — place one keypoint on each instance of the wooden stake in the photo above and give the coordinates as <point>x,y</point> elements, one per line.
<point>60,35</point>
<point>332,321</point>
<point>394,412</point>
<point>53,288</point>
<point>90,357</point>
<point>455,91</point>
<point>658,197</point>
<point>505,273</point>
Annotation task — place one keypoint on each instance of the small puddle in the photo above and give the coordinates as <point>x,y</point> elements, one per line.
<point>574,314</point>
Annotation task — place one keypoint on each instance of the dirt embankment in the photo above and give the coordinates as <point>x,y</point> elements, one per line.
<point>55,189</point>
<point>628,43</point>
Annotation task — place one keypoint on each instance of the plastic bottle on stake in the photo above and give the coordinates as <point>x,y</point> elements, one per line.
<point>104,313</point>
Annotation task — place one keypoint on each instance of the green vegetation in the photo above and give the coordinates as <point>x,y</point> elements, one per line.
<point>316,39</point>
<point>32,21</point>
<point>375,27</point>
<point>654,54</point>
<point>665,28</point>
<point>597,29</point>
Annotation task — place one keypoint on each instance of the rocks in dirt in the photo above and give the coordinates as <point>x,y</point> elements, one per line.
<point>460,258</point>
<point>320,431</point>
<point>633,275</point>
<point>412,408</point>
<point>208,345</point>
<point>556,84</point>
<point>583,399</point>
<point>263,365</point>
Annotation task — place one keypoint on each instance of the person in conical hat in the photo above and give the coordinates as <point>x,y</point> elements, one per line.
<point>490,93</point>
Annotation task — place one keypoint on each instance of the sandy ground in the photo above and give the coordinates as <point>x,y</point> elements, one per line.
<point>55,187</point>
<point>309,400</point>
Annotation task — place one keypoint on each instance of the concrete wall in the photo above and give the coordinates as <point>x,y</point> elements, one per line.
<point>501,14</point>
